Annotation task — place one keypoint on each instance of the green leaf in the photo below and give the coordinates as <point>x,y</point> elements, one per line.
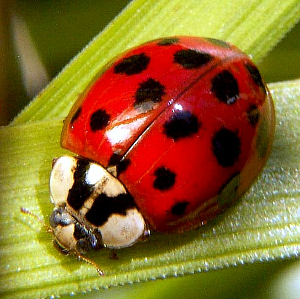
<point>255,26</point>
<point>264,225</point>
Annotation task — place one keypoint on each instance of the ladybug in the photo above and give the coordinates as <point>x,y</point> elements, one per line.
<point>168,136</point>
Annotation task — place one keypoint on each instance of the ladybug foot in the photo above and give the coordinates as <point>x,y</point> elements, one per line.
<point>113,255</point>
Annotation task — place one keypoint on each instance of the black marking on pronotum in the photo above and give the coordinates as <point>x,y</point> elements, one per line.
<point>255,74</point>
<point>181,124</point>
<point>75,115</point>
<point>253,115</point>
<point>80,190</point>
<point>132,65</point>
<point>226,147</point>
<point>99,120</point>
<point>179,208</point>
<point>168,41</point>
<point>191,59</point>
<point>225,87</point>
<point>149,90</point>
<point>164,178</point>
<point>104,206</point>
<point>218,42</point>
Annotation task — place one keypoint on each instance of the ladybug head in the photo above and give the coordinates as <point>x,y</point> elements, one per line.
<point>92,208</point>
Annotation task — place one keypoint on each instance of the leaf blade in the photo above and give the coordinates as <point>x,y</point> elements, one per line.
<point>264,225</point>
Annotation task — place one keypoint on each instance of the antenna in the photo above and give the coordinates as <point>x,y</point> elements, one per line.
<point>87,260</point>
<point>50,230</point>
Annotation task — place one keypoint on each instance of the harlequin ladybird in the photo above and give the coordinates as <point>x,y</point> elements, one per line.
<point>168,136</point>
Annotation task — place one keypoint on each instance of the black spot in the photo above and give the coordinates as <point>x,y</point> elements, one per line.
<point>255,74</point>
<point>181,124</point>
<point>191,59</point>
<point>149,90</point>
<point>228,192</point>
<point>218,42</point>
<point>168,41</point>
<point>226,147</point>
<point>99,120</point>
<point>165,178</point>
<point>263,138</point>
<point>75,115</point>
<point>253,115</point>
<point>104,206</point>
<point>132,65</point>
<point>225,87</point>
<point>233,181</point>
<point>179,208</point>
<point>121,164</point>
<point>80,190</point>
<point>114,159</point>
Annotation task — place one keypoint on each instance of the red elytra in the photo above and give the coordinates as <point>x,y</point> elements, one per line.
<point>187,121</point>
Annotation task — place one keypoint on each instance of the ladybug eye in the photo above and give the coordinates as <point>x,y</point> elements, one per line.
<point>61,217</point>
